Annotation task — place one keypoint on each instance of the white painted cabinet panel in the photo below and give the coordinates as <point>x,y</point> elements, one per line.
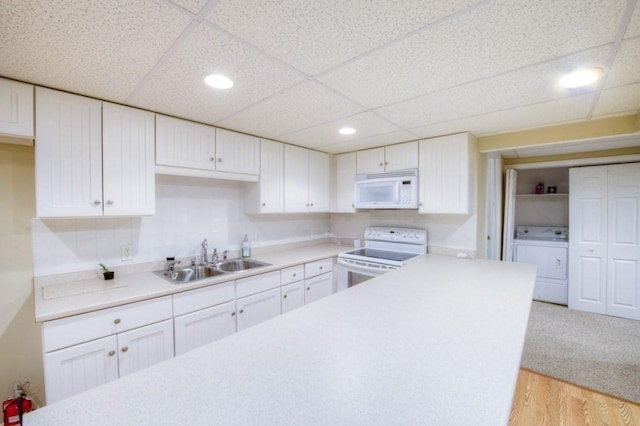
<point>292,296</point>
<point>318,287</point>
<point>402,156</point>
<point>142,347</point>
<point>68,155</point>
<point>446,170</point>
<point>201,298</point>
<point>237,152</point>
<point>311,269</point>
<point>319,182</point>
<point>79,368</point>
<point>345,183</point>
<point>267,196</point>
<point>182,143</point>
<point>296,179</point>
<point>205,326</point>
<point>370,161</point>
<point>254,309</point>
<point>257,283</point>
<point>16,109</point>
<point>128,146</point>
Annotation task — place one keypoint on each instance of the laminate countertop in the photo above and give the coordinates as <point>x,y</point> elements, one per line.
<point>437,342</point>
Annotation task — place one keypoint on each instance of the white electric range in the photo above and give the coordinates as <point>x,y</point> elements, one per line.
<point>385,249</point>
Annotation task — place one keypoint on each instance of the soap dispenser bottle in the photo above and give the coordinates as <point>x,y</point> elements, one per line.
<point>246,247</point>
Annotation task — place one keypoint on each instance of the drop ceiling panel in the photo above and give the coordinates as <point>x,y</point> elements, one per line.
<point>556,112</point>
<point>619,100</point>
<point>626,67</point>
<point>316,35</point>
<point>176,86</point>
<point>305,105</point>
<point>369,142</point>
<point>193,6</point>
<point>529,85</point>
<point>486,41</point>
<point>633,29</point>
<point>367,124</point>
<point>83,46</point>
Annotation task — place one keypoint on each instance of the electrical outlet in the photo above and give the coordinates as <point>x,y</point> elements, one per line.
<point>126,253</point>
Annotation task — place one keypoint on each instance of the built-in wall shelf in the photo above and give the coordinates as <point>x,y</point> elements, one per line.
<point>542,196</point>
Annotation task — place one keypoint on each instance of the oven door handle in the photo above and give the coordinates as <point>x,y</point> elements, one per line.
<point>362,268</point>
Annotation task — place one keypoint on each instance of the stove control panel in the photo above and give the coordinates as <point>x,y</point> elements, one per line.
<point>399,235</point>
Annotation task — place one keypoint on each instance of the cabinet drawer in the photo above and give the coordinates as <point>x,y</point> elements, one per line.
<point>292,274</point>
<point>318,267</point>
<point>258,283</point>
<point>82,328</point>
<point>194,300</point>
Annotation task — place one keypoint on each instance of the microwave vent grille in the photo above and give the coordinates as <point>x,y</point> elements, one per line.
<point>399,173</point>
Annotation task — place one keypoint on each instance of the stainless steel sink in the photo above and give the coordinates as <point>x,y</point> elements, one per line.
<point>237,265</point>
<point>189,274</point>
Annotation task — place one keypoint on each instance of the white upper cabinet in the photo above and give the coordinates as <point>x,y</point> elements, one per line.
<point>446,170</point>
<point>267,196</point>
<point>237,152</point>
<point>16,109</point>
<point>345,178</point>
<point>128,166</point>
<point>182,143</point>
<point>306,180</point>
<point>393,157</point>
<point>191,149</point>
<point>68,155</point>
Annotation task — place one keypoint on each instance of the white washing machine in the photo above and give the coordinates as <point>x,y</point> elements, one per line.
<point>546,247</point>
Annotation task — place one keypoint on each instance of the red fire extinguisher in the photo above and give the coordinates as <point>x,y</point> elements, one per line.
<point>14,408</point>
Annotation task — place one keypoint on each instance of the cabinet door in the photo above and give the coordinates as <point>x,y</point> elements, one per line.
<point>142,347</point>
<point>319,182</point>
<point>588,242</point>
<point>252,310</point>
<point>68,155</point>
<point>446,168</point>
<point>181,143</point>
<point>271,176</point>
<point>79,368</point>
<point>318,287</point>
<point>128,147</point>
<point>345,183</point>
<point>623,241</point>
<point>201,327</point>
<point>370,161</point>
<point>237,152</point>
<point>16,109</point>
<point>292,296</point>
<point>296,179</point>
<point>401,157</point>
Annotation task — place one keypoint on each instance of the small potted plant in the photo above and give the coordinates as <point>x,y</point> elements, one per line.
<point>108,275</point>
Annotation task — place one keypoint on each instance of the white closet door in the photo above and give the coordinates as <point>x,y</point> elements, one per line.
<point>623,276</point>
<point>509,214</point>
<point>588,239</point>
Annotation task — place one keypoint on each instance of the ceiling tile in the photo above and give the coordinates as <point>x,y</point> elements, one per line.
<point>304,105</point>
<point>626,67</point>
<point>633,29</point>
<point>529,85</point>
<point>370,142</point>
<point>545,114</point>
<point>87,47</point>
<point>193,6</point>
<point>176,86</point>
<point>624,99</point>
<point>486,41</point>
<point>367,124</point>
<point>315,35</point>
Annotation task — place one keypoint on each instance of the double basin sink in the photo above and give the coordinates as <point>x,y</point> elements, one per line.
<point>200,272</point>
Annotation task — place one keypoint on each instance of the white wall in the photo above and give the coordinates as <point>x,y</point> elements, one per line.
<point>187,211</point>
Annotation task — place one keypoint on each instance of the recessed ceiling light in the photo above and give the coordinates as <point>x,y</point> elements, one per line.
<point>219,81</point>
<point>581,78</point>
<point>347,131</point>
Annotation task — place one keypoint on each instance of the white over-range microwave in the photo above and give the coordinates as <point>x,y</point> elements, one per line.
<point>391,190</point>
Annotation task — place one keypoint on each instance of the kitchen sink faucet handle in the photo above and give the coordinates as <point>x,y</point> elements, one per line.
<point>224,254</point>
<point>214,258</point>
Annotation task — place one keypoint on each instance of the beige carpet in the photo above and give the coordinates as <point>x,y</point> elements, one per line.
<point>591,350</point>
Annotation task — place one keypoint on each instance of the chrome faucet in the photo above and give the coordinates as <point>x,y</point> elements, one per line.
<point>205,257</point>
<point>214,258</point>
<point>224,254</point>
<point>172,265</point>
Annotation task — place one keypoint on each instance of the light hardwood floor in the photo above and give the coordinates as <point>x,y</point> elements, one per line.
<point>541,400</point>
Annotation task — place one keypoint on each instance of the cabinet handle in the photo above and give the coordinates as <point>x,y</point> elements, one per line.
<point>558,264</point>
<point>381,164</point>
<point>308,288</point>
<point>112,353</point>
<point>212,158</point>
<point>420,204</point>
<point>126,348</point>
<point>353,206</point>
<point>311,204</point>
<point>116,321</point>
<point>264,204</point>
<point>241,310</point>
<point>307,204</point>
<point>284,297</point>
<point>109,202</point>
<point>321,268</point>
<point>233,314</point>
<point>294,275</point>
<point>386,163</point>
<point>97,202</point>
<point>219,160</point>
<point>591,250</point>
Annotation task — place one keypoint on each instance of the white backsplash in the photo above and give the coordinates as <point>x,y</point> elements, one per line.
<point>187,211</point>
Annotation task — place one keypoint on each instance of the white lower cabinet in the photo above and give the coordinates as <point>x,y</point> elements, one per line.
<point>142,347</point>
<point>205,326</point>
<point>254,309</point>
<point>292,296</point>
<point>318,287</point>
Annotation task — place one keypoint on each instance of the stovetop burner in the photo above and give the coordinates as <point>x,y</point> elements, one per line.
<point>382,254</point>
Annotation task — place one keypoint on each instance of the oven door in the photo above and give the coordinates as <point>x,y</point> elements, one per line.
<point>353,272</point>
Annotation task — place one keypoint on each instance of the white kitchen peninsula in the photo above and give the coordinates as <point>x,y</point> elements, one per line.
<point>436,342</point>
